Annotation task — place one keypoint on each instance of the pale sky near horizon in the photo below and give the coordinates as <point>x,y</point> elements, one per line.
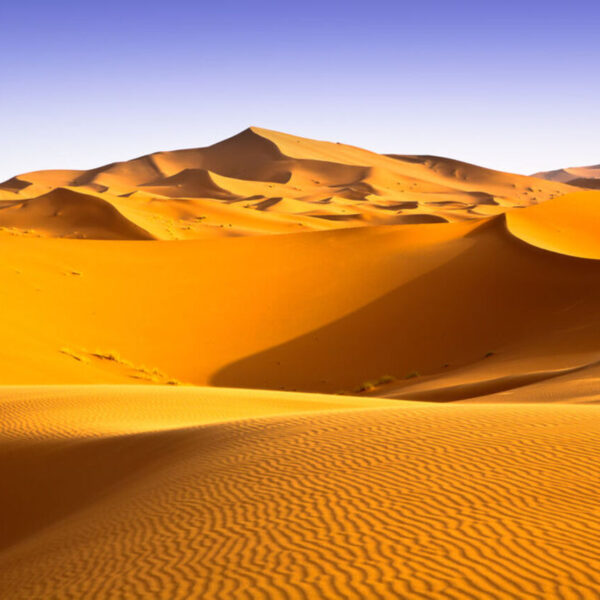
<point>508,85</point>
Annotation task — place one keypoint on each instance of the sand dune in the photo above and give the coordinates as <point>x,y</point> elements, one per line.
<point>309,184</point>
<point>591,183</point>
<point>192,183</point>
<point>66,213</point>
<point>520,291</point>
<point>568,225</point>
<point>405,380</point>
<point>156,497</point>
<point>571,174</point>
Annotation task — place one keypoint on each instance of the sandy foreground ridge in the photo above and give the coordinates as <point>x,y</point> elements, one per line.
<point>283,368</point>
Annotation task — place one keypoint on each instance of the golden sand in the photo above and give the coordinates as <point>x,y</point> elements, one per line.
<point>405,380</point>
<point>259,182</point>
<point>118,492</point>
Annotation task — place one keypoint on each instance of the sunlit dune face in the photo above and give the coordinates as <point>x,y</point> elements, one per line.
<point>259,182</point>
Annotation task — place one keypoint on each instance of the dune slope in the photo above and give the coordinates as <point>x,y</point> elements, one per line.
<point>397,500</point>
<point>263,181</point>
<point>571,174</point>
<point>404,302</point>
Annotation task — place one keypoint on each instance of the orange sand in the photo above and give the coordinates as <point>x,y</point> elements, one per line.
<point>512,295</point>
<point>456,308</point>
<point>118,492</point>
<point>258,182</point>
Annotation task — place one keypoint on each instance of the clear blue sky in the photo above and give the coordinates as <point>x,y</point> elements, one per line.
<point>506,84</point>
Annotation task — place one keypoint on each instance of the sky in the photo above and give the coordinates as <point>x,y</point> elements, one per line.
<point>504,84</point>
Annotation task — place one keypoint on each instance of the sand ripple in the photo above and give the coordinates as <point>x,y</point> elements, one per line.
<point>419,501</point>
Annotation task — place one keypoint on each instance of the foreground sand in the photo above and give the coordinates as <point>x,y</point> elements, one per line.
<point>164,492</point>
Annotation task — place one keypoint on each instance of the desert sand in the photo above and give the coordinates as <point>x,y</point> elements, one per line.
<point>284,368</point>
<point>258,182</point>
<point>586,177</point>
<point>188,493</point>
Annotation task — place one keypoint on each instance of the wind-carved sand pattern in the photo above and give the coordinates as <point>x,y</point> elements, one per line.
<point>414,501</point>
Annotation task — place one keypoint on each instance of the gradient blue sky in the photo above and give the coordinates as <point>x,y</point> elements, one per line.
<point>506,84</point>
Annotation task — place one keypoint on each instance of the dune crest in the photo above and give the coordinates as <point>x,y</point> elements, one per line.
<point>311,185</point>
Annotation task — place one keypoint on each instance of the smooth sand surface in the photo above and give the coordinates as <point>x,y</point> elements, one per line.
<point>258,182</point>
<point>169,493</point>
<point>512,296</point>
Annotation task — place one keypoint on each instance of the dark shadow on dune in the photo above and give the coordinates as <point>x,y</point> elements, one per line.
<point>268,203</point>
<point>588,183</point>
<point>14,185</point>
<point>419,219</point>
<point>484,198</point>
<point>500,290</point>
<point>44,482</point>
<point>485,387</point>
<point>406,205</point>
<point>357,191</point>
<point>350,217</point>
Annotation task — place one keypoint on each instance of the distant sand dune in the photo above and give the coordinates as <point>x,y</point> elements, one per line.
<point>571,174</point>
<point>66,213</point>
<point>192,183</point>
<point>371,189</point>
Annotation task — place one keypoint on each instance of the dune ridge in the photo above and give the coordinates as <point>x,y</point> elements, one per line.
<point>309,185</point>
<point>386,301</point>
<point>571,174</point>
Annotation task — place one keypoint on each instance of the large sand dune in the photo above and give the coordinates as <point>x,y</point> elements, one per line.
<point>262,181</point>
<point>425,334</point>
<point>321,311</point>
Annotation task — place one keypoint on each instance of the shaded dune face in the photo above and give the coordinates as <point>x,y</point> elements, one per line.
<point>586,182</point>
<point>497,294</point>
<point>572,175</point>
<point>66,213</point>
<point>445,311</point>
<point>211,192</point>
